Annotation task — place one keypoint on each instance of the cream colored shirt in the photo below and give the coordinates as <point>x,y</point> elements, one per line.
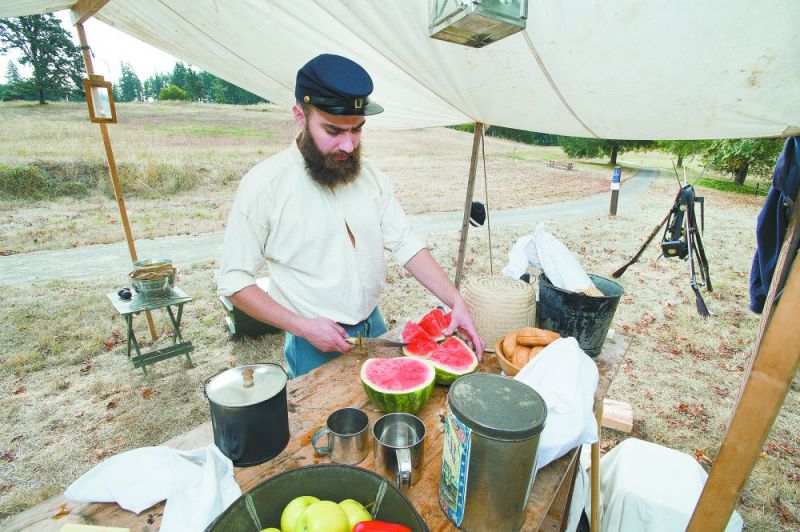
<point>282,216</point>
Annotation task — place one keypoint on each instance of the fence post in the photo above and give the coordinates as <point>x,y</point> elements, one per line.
<point>615,190</point>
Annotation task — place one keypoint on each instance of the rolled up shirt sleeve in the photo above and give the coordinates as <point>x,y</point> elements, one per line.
<point>242,252</point>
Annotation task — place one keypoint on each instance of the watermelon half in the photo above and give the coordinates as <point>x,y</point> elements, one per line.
<point>401,384</point>
<point>451,359</point>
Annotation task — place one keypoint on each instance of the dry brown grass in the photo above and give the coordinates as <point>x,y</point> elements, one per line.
<point>179,166</point>
<point>68,397</point>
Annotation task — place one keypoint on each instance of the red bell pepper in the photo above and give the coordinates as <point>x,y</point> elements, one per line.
<point>379,526</point>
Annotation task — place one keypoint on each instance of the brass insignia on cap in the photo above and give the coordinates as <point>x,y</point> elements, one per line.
<point>306,99</point>
<point>358,103</point>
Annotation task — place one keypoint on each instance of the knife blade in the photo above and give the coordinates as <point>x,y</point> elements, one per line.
<point>381,342</point>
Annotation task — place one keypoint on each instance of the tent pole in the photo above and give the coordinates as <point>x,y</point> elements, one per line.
<point>112,167</point>
<point>772,372</point>
<point>473,168</point>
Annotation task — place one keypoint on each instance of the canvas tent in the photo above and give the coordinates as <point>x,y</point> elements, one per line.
<point>627,69</point>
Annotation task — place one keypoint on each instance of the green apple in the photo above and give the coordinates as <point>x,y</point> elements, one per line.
<point>293,510</point>
<point>270,530</point>
<point>355,512</point>
<point>323,516</point>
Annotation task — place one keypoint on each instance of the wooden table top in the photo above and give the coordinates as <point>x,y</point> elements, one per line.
<point>312,398</point>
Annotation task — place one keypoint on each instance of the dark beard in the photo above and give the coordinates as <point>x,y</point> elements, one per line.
<point>325,169</point>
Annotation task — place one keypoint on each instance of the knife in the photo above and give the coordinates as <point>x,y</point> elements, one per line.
<point>382,342</point>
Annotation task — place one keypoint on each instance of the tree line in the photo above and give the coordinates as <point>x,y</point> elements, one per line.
<point>183,83</point>
<point>737,157</point>
<point>57,70</point>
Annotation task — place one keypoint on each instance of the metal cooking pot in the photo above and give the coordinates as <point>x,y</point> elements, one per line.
<point>249,412</point>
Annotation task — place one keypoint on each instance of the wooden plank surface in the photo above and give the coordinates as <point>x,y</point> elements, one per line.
<point>312,398</point>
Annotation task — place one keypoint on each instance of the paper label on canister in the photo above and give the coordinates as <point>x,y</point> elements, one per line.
<point>455,467</point>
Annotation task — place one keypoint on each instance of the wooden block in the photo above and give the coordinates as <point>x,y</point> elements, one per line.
<point>617,415</point>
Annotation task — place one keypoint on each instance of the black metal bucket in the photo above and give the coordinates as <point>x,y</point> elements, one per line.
<point>250,421</point>
<point>586,318</point>
<point>262,506</point>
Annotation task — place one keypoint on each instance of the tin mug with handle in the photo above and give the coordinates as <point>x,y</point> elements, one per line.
<point>346,429</point>
<point>399,448</point>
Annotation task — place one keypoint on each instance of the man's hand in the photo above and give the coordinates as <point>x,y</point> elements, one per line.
<point>326,335</point>
<point>462,321</point>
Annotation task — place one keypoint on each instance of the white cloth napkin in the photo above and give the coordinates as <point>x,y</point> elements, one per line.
<point>566,378</point>
<point>547,253</point>
<point>198,484</point>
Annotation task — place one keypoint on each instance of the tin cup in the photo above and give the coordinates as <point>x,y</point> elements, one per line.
<point>399,448</point>
<point>347,436</point>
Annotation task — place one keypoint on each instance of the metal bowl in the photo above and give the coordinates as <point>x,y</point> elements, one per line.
<point>152,288</point>
<point>262,506</point>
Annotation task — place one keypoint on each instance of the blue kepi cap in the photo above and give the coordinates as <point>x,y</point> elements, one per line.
<point>336,85</point>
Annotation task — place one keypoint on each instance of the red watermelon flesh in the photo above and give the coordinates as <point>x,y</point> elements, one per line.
<point>454,355</point>
<point>419,342</point>
<point>452,359</point>
<point>432,324</point>
<point>445,322</point>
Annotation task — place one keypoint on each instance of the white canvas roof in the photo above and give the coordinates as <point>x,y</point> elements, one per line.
<point>630,69</point>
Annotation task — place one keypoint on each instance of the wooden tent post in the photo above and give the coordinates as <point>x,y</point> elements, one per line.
<point>473,168</point>
<point>112,167</point>
<point>772,371</point>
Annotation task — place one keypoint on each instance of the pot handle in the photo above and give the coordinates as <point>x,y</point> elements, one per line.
<point>403,467</point>
<point>324,451</point>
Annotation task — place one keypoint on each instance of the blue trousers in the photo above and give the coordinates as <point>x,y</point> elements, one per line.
<point>302,357</point>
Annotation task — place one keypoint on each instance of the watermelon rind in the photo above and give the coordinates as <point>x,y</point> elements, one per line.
<point>409,399</point>
<point>446,374</point>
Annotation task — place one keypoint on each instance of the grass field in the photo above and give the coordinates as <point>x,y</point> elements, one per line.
<point>69,399</point>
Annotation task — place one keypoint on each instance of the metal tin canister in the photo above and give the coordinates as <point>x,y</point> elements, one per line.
<point>492,430</point>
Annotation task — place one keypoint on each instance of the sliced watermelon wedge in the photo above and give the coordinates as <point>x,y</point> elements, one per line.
<point>446,320</point>
<point>419,342</point>
<point>453,359</point>
<point>401,384</point>
<point>432,323</point>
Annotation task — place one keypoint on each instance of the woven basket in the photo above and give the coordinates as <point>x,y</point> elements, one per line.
<point>499,305</point>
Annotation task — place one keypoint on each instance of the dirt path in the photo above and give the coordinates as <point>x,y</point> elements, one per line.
<point>87,261</point>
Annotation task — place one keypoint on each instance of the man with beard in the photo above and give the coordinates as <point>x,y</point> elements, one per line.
<point>321,217</point>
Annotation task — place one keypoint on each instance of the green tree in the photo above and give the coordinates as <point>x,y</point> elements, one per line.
<point>152,86</point>
<point>130,87</point>
<point>741,157</point>
<point>48,49</point>
<point>172,92</point>
<point>194,86</point>
<point>521,135</point>
<point>179,75</point>
<point>583,148</point>
<point>682,148</point>
<point>15,88</point>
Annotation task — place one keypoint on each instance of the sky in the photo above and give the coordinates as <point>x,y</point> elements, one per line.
<point>111,47</point>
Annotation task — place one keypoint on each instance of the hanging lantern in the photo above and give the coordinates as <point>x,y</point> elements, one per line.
<point>475,23</point>
<point>100,99</point>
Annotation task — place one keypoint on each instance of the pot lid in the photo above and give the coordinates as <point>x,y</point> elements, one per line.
<point>497,407</point>
<point>246,385</point>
